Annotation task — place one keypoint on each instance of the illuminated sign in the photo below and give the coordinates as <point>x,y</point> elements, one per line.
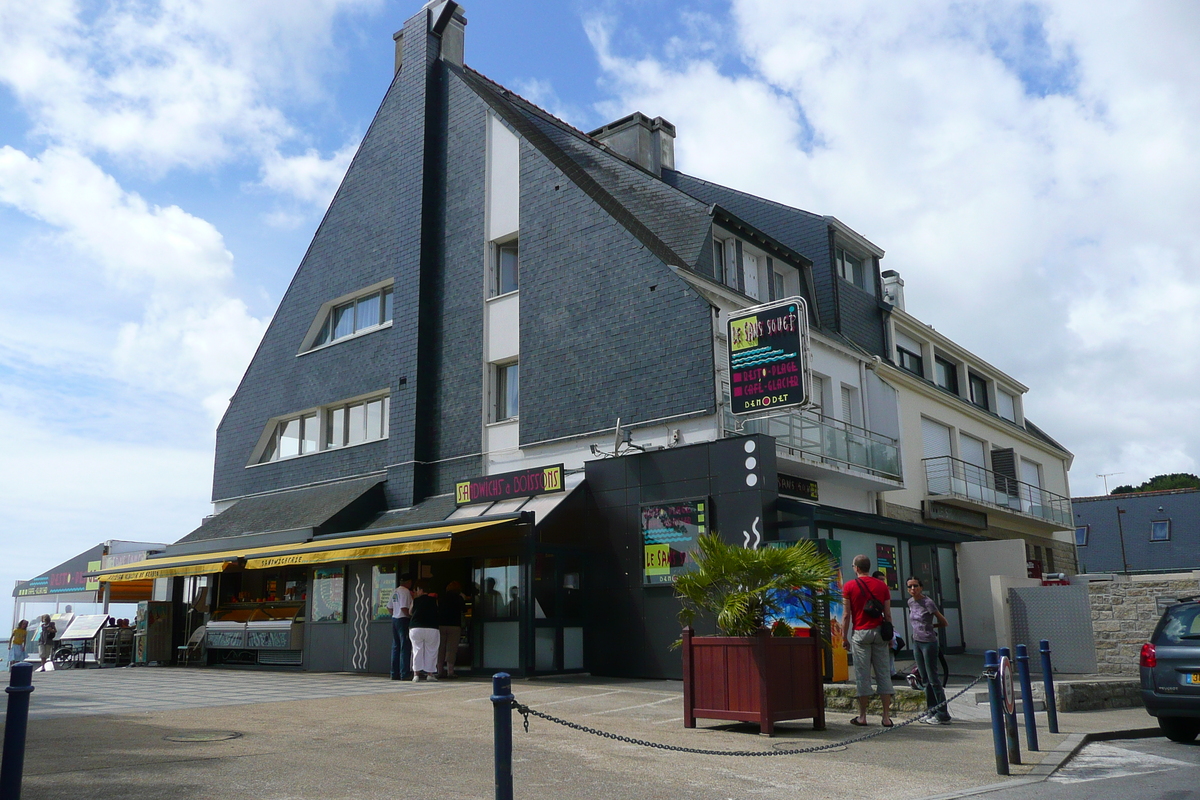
<point>523,483</point>
<point>767,357</point>
<point>669,533</point>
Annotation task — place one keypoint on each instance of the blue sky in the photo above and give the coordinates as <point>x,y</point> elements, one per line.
<point>1029,167</point>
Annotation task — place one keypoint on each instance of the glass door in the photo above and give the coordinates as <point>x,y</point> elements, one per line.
<point>937,569</point>
<point>558,613</point>
<point>497,613</point>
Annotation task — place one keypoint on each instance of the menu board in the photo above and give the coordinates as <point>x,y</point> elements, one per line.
<point>885,562</point>
<point>84,626</point>
<point>383,583</point>
<point>329,594</point>
<point>669,534</point>
<point>767,364</point>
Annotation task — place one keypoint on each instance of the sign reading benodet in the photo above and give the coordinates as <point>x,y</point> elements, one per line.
<point>767,367</point>
<point>523,483</point>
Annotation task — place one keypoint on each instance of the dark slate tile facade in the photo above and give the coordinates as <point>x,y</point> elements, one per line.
<point>1102,552</point>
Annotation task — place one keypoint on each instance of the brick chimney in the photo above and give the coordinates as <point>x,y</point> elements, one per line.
<point>649,143</point>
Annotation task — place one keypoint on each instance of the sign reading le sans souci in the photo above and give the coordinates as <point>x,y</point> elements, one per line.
<point>767,357</point>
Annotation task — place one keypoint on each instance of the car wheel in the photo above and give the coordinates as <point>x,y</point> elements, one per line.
<point>1179,729</point>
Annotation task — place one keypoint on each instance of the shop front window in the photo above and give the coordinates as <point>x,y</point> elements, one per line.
<point>499,582</point>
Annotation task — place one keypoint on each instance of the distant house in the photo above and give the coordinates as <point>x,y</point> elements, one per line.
<point>1138,532</point>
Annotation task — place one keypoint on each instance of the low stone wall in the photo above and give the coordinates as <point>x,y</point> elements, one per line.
<point>1124,613</point>
<point>1092,695</point>
<point>844,697</point>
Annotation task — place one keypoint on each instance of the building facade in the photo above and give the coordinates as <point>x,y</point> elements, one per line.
<point>1139,532</point>
<point>503,362</point>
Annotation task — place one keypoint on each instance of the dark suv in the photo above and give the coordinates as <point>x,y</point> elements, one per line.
<point>1170,669</point>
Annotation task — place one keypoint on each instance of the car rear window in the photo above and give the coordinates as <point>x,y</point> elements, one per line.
<point>1180,625</point>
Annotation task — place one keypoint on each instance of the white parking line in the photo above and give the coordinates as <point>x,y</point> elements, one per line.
<point>630,708</point>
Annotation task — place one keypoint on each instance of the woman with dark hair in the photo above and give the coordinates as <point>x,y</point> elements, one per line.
<point>925,618</point>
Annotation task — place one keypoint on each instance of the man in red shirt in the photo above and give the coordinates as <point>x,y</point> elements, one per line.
<point>866,644</point>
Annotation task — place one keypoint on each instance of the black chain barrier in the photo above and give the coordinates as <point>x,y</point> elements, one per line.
<point>526,712</point>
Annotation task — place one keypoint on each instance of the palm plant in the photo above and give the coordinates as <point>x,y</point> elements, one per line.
<point>740,588</point>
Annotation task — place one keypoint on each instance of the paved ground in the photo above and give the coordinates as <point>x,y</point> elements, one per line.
<point>115,734</point>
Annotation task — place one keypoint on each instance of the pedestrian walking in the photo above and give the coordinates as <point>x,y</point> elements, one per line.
<point>925,619</point>
<point>868,607</point>
<point>46,641</point>
<point>424,634</point>
<point>16,643</point>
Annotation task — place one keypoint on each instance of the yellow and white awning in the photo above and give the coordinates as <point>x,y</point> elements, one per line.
<point>354,547</point>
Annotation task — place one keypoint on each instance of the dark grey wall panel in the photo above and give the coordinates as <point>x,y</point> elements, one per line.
<point>607,330</point>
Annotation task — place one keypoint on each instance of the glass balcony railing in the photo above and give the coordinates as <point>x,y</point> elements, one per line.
<point>955,478</point>
<point>827,440</point>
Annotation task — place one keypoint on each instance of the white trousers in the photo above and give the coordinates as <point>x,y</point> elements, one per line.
<point>425,648</point>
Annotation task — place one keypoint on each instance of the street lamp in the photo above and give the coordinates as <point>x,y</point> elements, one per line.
<point>1121,533</point>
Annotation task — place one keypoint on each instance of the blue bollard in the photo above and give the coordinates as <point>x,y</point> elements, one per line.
<point>1048,678</point>
<point>1031,740</point>
<point>991,661</point>
<point>1010,720</point>
<point>12,765</point>
<point>502,699</point>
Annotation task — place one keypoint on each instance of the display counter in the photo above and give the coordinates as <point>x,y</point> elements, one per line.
<point>266,633</point>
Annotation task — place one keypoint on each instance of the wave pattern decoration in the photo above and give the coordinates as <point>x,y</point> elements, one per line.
<point>358,656</point>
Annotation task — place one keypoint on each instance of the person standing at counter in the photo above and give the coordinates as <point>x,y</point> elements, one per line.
<point>400,604</point>
<point>450,615</point>
<point>424,634</point>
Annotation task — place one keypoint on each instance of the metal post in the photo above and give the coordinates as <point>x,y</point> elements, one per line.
<point>502,699</point>
<point>1010,720</point>
<point>1048,678</point>
<point>12,764</point>
<point>991,662</point>
<point>1031,739</point>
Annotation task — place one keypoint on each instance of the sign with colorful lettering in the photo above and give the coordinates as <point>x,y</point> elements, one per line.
<point>669,534</point>
<point>767,364</point>
<point>523,483</point>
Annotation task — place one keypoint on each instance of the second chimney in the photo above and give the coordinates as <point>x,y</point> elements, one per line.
<point>649,143</point>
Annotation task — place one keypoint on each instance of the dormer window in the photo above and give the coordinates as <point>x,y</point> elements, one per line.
<point>945,374</point>
<point>908,354</point>
<point>351,316</point>
<point>979,391</point>
<point>853,269</point>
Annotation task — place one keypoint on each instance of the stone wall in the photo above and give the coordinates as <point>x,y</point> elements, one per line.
<point>1124,613</point>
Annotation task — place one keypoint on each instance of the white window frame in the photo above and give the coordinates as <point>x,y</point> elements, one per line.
<point>324,317</point>
<point>498,249</point>
<point>267,450</point>
<point>499,405</point>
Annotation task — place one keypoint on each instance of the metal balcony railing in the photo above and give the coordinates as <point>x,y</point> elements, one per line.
<point>826,439</point>
<point>956,478</point>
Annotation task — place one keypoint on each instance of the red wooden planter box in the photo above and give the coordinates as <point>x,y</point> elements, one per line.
<point>763,679</point>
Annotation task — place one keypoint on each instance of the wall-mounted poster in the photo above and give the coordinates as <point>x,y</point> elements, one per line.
<point>383,583</point>
<point>669,534</point>
<point>329,594</point>
<point>885,562</point>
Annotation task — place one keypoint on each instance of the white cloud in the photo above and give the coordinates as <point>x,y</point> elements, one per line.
<point>177,83</point>
<point>308,177</point>
<point>192,339</point>
<point>1030,169</point>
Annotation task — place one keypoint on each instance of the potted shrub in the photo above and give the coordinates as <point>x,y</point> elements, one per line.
<point>746,673</point>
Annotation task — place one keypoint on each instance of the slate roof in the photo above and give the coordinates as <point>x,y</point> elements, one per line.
<point>670,223</point>
<point>432,509</point>
<point>309,507</point>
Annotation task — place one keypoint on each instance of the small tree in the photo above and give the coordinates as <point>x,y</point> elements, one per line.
<point>739,588</point>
